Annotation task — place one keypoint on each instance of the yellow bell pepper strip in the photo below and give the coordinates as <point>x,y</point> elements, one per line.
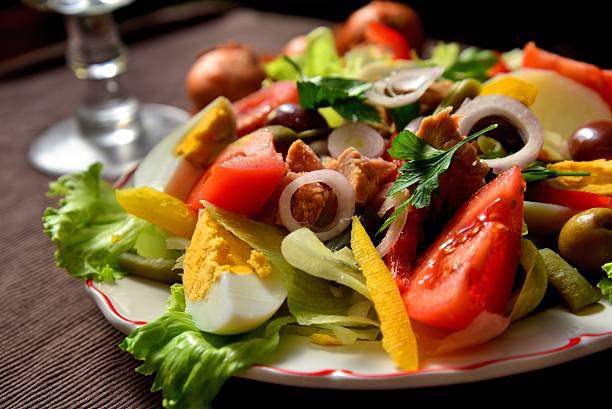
<point>398,338</point>
<point>159,208</point>
<point>512,87</point>
<point>599,182</point>
<point>213,132</point>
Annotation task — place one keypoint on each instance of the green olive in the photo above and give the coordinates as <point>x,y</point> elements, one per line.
<point>158,269</point>
<point>468,88</point>
<point>586,240</point>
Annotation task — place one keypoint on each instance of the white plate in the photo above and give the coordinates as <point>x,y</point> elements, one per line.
<point>548,338</point>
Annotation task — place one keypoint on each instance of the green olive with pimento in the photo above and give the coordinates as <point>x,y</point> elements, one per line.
<point>586,240</point>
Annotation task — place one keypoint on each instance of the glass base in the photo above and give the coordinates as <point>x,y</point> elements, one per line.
<point>61,148</point>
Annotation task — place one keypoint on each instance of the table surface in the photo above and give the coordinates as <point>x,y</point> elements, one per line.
<point>57,350</point>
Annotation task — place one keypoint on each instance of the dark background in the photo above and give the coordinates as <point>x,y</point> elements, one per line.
<point>33,40</point>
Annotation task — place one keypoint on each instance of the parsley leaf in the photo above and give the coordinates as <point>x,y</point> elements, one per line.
<point>425,165</point>
<point>537,172</point>
<point>346,96</point>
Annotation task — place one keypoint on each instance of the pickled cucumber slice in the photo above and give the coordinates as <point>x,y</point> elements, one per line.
<point>571,285</point>
<point>158,269</point>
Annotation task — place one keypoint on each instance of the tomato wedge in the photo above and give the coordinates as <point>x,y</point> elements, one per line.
<point>470,267</point>
<point>569,198</point>
<point>243,177</point>
<point>252,110</point>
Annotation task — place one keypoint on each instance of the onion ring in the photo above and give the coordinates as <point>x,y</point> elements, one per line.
<point>518,115</point>
<point>403,87</point>
<point>344,194</point>
<point>396,227</point>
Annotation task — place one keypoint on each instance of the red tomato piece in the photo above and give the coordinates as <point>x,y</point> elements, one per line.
<point>380,33</point>
<point>252,110</point>
<point>470,267</point>
<point>587,74</point>
<point>258,145</point>
<point>243,184</point>
<point>402,257</point>
<point>569,198</point>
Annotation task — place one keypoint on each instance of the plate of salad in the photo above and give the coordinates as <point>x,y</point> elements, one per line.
<point>373,213</point>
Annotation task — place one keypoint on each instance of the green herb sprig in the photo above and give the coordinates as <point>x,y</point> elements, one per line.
<point>424,167</point>
<point>538,172</point>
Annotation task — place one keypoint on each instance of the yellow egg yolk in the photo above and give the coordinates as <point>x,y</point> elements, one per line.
<point>214,251</point>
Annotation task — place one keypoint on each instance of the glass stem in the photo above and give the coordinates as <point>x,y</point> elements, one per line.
<point>108,116</point>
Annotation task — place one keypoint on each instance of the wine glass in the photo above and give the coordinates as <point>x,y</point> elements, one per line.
<point>110,126</point>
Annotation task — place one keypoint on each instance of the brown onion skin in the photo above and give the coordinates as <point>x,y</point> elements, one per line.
<point>232,70</point>
<point>396,15</point>
<point>592,141</point>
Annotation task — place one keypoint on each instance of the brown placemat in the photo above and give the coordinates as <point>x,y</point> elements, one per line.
<point>57,350</point>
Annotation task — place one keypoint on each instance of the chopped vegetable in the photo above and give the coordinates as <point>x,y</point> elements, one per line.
<point>402,116</point>
<point>190,365</point>
<point>252,110</point>
<point>159,208</point>
<point>460,92</point>
<point>89,227</point>
<point>598,182</point>
<point>546,218</point>
<point>512,87</point>
<point>569,283</point>
<point>469,63</point>
<point>303,250</point>
<point>320,56</point>
<point>470,267</point>
<point>403,87</point>
<point>379,33</point>
<point>568,198</point>
<point>535,283</point>
<point>398,339</point>
<point>357,135</point>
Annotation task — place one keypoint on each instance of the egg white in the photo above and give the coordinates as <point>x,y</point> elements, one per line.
<point>238,303</point>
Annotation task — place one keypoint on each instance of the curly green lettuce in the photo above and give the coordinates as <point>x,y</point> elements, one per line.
<point>89,228</point>
<point>191,365</point>
<point>605,285</point>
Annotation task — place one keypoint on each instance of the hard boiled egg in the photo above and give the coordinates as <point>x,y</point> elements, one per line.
<point>230,288</point>
<point>177,162</point>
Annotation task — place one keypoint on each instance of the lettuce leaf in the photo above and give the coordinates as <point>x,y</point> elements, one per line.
<point>321,56</point>
<point>303,250</point>
<point>191,365</point>
<point>605,285</point>
<point>89,227</point>
<point>311,300</point>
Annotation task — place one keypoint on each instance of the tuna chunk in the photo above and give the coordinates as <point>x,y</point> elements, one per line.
<point>301,158</point>
<point>465,174</point>
<point>364,174</point>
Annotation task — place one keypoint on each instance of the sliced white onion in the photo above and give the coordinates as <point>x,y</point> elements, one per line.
<point>414,125</point>
<point>344,194</point>
<point>403,87</point>
<point>514,112</point>
<point>360,136</point>
<point>396,227</point>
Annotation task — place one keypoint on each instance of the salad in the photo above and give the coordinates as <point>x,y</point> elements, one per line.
<point>365,189</point>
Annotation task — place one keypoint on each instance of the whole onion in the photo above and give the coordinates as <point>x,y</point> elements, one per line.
<point>396,15</point>
<point>231,70</point>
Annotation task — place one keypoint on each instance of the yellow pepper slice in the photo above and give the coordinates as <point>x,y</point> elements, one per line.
<point>600,181</point>
<point>398,338</point>
<point>159,208</point>
<point>512,87</point>
<point>215,129</point>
